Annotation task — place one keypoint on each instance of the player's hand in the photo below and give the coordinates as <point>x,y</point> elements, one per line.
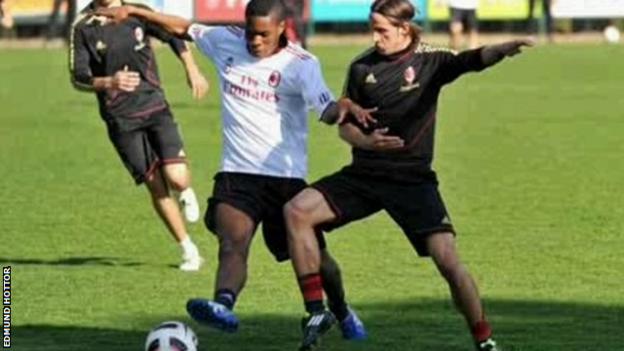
<point>378,140</point>
<point>514,47</point>
<point>198,83</point>
<point>126,80</point>
<point>116,14</point>
<point>362,115</point>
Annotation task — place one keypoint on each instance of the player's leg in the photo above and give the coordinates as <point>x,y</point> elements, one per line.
<point>234,229</point>
<point>530,22</point>
<point>166,140</point>
<point>275,236</point>
<point>441,247</point>
<point>333,201</point>
<point>178,176</point>
<point>420,212</point>
<point>137,154</point>
<point>546,7</point>
<point>302,214</point>
<point>7,22</point>
<point>456,29</point>
<point>350,324</point>
<point>167,208</point>
<point>472,25</point>
<point>232,215</point>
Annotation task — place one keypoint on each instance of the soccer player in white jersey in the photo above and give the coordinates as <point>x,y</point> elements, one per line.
<point>266,86</point>
<point>464,19</point>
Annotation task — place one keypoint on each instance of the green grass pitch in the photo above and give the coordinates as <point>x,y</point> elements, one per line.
<point>529,153</point>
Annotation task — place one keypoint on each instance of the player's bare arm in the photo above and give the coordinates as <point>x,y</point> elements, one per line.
<point>175,25</point>
<point>123,80</point>
<point>337,113</point>
<point>378,140</point>
<point>197,82</point>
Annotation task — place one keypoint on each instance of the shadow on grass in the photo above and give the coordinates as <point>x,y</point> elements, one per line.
<point>73,261</point>
<point>419,325</point>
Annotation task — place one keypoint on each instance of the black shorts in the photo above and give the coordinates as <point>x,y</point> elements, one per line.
<point>262,198</point>
<point>467,17</point>
<point>416,207</point>
<point>147,145</point>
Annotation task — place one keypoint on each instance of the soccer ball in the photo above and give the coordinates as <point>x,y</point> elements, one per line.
<point>171,336</point>
<point>612,34</point>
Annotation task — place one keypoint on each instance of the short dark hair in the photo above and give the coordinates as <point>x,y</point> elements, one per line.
<point>262,8</point>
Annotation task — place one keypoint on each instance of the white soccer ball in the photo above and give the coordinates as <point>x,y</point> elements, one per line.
<point>612,34</point>
<point>171,336</point>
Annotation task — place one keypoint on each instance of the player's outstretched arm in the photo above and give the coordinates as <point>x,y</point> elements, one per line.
<point>492,54</point>
<point>175,25</point>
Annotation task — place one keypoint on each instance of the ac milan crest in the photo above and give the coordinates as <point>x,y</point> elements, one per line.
<point>410,80</point>
<point>139,36</point>
<point>409,75</point>
<point>274,79</point>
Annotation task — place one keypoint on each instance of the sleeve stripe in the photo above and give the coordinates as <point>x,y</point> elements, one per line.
<point>76,84</point>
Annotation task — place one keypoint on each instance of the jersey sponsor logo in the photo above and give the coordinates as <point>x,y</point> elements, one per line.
<point>324,98</point>
<point>249,93</point>
<point>139,36</point>
<point>274,79</point>
<point>370,79</point>
<point>410,76</point>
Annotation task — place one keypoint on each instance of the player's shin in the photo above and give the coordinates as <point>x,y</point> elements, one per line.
<point>333,287</point>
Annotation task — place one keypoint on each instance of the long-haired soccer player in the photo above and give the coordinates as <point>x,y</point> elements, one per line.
<point>116,61</point>
<point>402,77</point>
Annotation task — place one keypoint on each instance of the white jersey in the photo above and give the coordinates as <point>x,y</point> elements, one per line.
<point>464,4</point>
<point>264,102</point>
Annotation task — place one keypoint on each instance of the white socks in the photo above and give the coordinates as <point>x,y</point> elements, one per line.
<point>188,247</point>
<point>191,260</point>
<point>189,204</point>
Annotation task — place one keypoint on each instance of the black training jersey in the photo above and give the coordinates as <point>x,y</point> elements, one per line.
<point>100,49</point>
<point>405,89</point>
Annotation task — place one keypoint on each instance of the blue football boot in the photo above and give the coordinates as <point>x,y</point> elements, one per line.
<point>212,314</point>
<point>352,327</point>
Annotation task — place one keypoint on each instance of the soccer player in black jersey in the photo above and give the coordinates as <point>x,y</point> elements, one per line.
<point>391,167</point>
<point>116,61</point>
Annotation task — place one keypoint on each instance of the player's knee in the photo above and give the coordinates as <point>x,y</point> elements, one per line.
<point>178,181</point>
<point>158,190</point>
<point>295,215</point>
<point>233,245</point>
<point>449,266</point>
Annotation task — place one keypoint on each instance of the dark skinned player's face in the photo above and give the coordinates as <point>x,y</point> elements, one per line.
<point>263,35</point>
